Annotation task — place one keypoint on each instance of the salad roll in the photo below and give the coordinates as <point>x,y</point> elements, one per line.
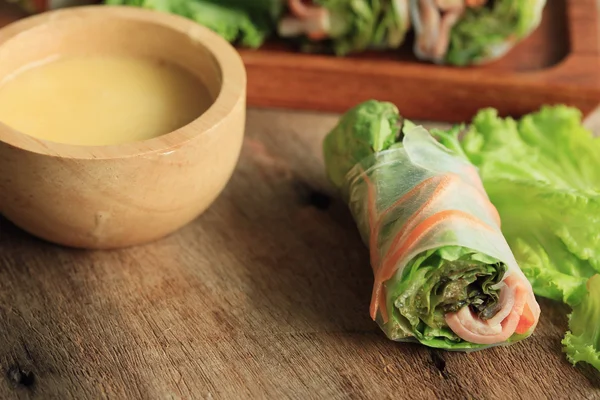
<point>347,26</point>
<point>466,32</point>
<point>443,273</point>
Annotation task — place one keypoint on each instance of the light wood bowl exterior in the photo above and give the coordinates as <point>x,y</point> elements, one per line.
<point>116,196</point>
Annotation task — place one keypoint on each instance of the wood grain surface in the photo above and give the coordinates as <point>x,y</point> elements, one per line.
<point>265,296</point>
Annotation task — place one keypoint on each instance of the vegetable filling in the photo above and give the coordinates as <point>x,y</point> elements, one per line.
<point>443,272</point>
<point>346,26</point>
<point>442,281</point>
<point>437,18</point>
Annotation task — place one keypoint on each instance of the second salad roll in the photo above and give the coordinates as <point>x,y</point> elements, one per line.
<point>444,274</point>
<point>466,32</point>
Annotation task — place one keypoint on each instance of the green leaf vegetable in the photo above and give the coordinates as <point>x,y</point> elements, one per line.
<point>488,32</point>
<point>348,26</point>
<point>582,342</point>
<point>542,173</point>
<point>439,281</point>
<point>363,130</point>
<point>246,22</point>
<point>450,32</point>
<point>375,158</point>
<point>352,23</point>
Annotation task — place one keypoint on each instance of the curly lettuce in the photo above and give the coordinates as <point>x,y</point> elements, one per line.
<point>582,342</point>
<point>440,281</point>
<point>542,173</point>
<point>368,128</point>
<point>349,26</point>
<point>394,22</point>
<point>352,23</point>
<point>248,23</point>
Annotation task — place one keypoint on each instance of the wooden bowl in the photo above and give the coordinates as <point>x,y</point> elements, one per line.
<point>121,195</point>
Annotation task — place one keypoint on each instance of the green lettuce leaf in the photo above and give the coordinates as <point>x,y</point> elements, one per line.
<point>392,26</point>
<point>543,175</point>
<point>272,8</point>
<point>356,25</point>
<point>245,22</point>
<point>548,230</point>
<point>365,129</point>
<point>582,342</point>
<point>439,281</point>
<point>233,24</point>
<point>484,33</point>
<point>352,24</point>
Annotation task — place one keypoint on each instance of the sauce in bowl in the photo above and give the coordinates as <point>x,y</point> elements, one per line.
<point>118,99</point>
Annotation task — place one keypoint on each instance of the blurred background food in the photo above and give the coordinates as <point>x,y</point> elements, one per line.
<point>456,32</point>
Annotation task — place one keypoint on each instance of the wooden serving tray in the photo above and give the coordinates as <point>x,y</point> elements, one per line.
<point>558,63</point>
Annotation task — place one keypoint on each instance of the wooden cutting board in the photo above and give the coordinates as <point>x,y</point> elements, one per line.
<point>265,296</point>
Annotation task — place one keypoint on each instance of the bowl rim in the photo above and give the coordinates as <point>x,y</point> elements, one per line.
<point>231,93</point>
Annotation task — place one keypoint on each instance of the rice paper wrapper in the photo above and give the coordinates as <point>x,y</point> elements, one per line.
<point>391,193</point>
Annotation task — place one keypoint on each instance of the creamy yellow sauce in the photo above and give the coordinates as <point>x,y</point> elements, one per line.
<point>101,100</point>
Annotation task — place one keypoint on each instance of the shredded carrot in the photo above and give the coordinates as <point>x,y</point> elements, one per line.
<point>411,193</point>
<point>400,245</point>
<point>373,221</point>
<point>391,263</point>
<point>527,320</point>
<point>444,182</point>
<point>375,224</point>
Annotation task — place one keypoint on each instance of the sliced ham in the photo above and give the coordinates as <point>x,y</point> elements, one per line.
<point>430,25</point>
<point>300,9</point>
<point>449,19</point>
<point>308,20</point>
<point>506,302</point>
<point>437,18</point>
<point>515,298</point>
<point>403,11</point>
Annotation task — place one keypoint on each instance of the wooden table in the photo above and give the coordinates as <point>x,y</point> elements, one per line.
<point>266,295</point>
